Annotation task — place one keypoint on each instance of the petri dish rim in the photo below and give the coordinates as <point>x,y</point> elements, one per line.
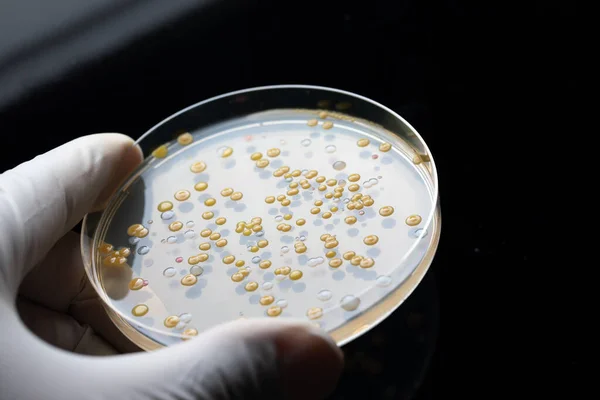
<point>355,326</point>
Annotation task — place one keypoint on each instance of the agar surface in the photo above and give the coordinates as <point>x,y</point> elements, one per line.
<point>336,218</point>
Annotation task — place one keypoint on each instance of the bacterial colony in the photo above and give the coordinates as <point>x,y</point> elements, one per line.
<point>285,213</point>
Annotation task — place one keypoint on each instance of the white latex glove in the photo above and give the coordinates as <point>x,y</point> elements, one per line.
<point>40,202</point>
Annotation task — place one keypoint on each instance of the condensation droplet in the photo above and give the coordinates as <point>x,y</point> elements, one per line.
<point>171,239</point>
<point>313,262</point>
<point>350,302</point>
<point>279,218</point>
<point>330,149</point>
<point>189,234</point>
<point>186,318</point>
<point>167,215</point>
<point>143,250</point>
<point>189,224</point>
<point>324,295</point>
<point>383,281</point>
<point>282,303</point>
<point>415,233</point>
<point>196,270</point>
<point>370,183</point>
<point>361,212</point>
<point>306,142</point>
<point>133,240</point>
<point>256,259</point>
<point>302,238</point>
<point>339,165</point>
<point>285,249</point>
<point>169,272</point>
<point>268,285</point>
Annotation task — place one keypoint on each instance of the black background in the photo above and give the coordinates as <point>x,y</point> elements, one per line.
<point>489,85</point>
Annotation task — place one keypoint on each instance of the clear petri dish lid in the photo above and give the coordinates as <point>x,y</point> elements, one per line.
<point>274,202</point>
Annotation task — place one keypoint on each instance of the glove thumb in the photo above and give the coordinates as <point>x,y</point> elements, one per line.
<point>251,359</point>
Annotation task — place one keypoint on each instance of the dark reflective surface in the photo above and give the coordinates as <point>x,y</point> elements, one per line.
<point>391,360</point>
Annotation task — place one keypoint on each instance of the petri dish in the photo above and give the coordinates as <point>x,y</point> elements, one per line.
<point>287,201</point>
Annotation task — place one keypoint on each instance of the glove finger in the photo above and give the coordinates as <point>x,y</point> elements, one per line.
<point>87,308</point>
<point>62,330</point>
<point>248,359</point>
<point>59,283</point>
<point>44,198</point>
<point>266,359</point>
<point>59,278</point>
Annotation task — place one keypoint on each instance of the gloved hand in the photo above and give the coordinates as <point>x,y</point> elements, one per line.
<point>42,278</point>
